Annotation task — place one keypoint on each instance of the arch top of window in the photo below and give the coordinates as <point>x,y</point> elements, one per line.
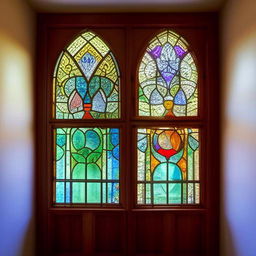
<point>86,80</point>
<point>167,78</point>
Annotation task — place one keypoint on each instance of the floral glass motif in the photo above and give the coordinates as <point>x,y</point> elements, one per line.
<point>168,166</point>
<point>87,80</point>
<point>86,165</point>
<point>168,78</point>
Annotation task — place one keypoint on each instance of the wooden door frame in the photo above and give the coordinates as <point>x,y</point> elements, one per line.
<point>210,101</point>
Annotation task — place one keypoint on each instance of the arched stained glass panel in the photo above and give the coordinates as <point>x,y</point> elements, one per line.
<point>168,78</point>
<point>87,80</point>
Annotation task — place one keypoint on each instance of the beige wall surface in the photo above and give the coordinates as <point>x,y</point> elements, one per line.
<point>238,59</point>
<point>17,38</point>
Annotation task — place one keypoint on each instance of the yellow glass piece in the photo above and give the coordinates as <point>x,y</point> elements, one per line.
<point>75,46</point>
<point>168,104</point>
<point>66,69</point>
<point>88,48</point>
<point>108,69</point>
<point>100,45</point>
<point>88,35</point>
<point>154,163</point>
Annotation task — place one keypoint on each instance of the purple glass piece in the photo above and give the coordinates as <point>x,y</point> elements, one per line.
<point>179,51</point>
<point>156,52</point>
<point>167,76</point>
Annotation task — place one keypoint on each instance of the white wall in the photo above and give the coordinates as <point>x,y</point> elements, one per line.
<point>16,132</point>
<point>238,30</point>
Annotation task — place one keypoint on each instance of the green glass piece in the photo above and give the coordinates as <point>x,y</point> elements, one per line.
<point>93,171</point>
<point>93,192</point>
<point>79,158</point>
<point>94,85</point>
<point>59,153</point>
<point>79,171</point>
<point>78,139</point>
<point>78,192</point>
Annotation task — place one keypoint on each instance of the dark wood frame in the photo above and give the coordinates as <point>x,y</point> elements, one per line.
<point>132,220</point>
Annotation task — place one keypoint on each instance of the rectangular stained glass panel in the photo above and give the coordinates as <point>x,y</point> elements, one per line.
<point>86,165</point>
<point>168,166</point>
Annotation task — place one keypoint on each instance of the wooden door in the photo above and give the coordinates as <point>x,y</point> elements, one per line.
<point>128,228</point>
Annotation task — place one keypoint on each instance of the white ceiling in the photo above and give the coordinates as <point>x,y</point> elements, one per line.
<point>125,5</point>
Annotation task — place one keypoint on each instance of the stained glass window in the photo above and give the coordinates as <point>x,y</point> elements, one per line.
<point>168,78</point>
<point>86,165</point>
<point>168,166</point>
<point>86,80</point>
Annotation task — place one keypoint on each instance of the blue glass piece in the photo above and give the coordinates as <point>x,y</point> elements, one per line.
<point>116,152</point>
<point>114,130</point>
<point>99,102</point>
<point>113,192</point>
<point>67,192</point>
<point>87,98</point>
<point>87,64</point>
<point>180,98</point>
<point>70,86</point>
<point>115,169</point>
<point>114,137</point>
<point>160,172</point>
<point>81,86</point>
<point>61,139</point>
<point>143,144</point>
<point>59,192</point>
<point>92,139</point>
<point>193,143</point>
<point>174,172</point>
<point>156,98</point>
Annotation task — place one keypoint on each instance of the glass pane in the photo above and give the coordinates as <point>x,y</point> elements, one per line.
<point>87,165</point>
<point>86,80</point>
<point>168,166</point>
<point>168,78</point>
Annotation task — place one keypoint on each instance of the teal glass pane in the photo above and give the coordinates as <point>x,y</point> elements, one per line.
<point>93,192</point>
<point>175,193</point>
<point>78,192</point>
<point>89,158</point>
<point>167,163</point>
<point>60,192</point>
<point>160,193</point>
